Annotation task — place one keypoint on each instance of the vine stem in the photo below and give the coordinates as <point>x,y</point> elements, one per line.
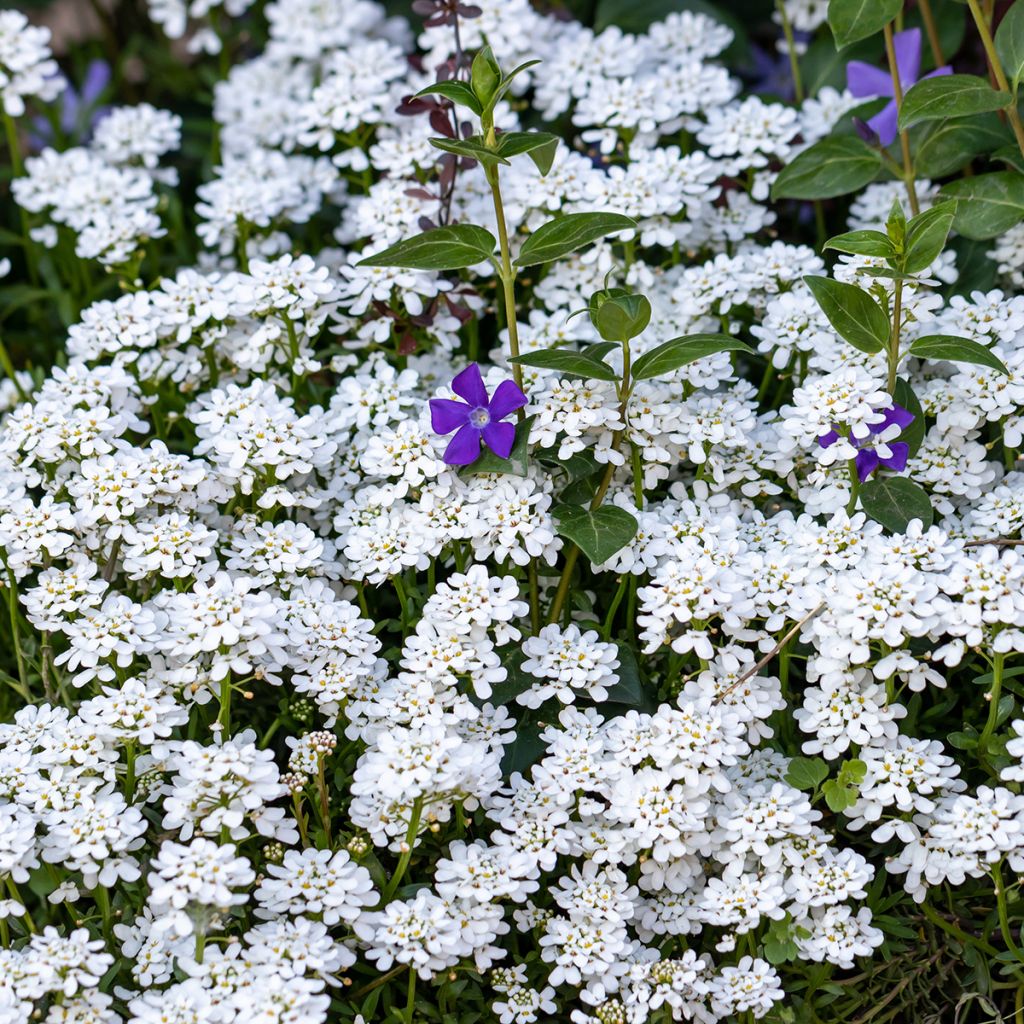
<point>931,30</point>
<point>1004,917</point>
<point>894,337</point>
<point>993,702</point>
<point>897,92</point>
<point>403,861</point>
<point>507,276</point>
<point>1012,114</point>
<point>794,63</point>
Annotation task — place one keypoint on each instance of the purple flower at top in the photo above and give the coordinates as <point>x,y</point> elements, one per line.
<point>866,81</point>
<point>882,451</point>
<point>477,418</point>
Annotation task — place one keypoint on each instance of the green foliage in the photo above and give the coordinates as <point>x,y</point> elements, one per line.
<point>851,20</point>
<point>598,533</point>
<point>854,314</point>
<point>987,204</point>
<point>946,96</point>
<point>572,364</point>
<point>671,355</point>
<point>569,233</point>
<point>1010,44</point>
<point>894,501</point>
<point>956,350</point>
<point>836,166</point>
<point>449,248</point>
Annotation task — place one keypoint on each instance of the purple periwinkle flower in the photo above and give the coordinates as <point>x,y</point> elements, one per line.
<point>866,81</point>
<point>877,449</point>
<point>477,418</point>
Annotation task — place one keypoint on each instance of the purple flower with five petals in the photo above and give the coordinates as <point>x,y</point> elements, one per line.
<point>866,81</point>
<point>477,418</point>
<point>882,451</point>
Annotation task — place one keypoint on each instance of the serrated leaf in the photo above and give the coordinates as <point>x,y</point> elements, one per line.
<point>566,234</point>
<point>449,248</point>
<point>598,533</point>
<point>575,364</point>
<point>894,501</point>
<point>806,773</point>
<point>926,237</point>
<point>956,350</point>
<point>987,204</point>
<point>863,243</point>
<point>943,96</point>
<point>851,20</point>
<point>540,145</point>
<point>517,463</point>
<point>912,435</point>
<point>833,167</point>
<point>1010,44</point>
<point>679,352</point>
<point>457,92</point>
<point>854,314</point>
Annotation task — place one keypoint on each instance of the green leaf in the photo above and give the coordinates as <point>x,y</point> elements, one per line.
<point>833,167</point>
<point>926,237</point>
<point>853,772</point>
<point>526,749</point>
<point>622,317</point>
<point>863,243</point>
<point>851,20</point>
<point>540,145</point>
<point>1010,44</point>
<point>1011,156</point>
<point>963,740</point>
<point>913,435</point>
<point>598,533</point>
<point>457,92</point>
<point>516,681</point>
<point>956,350</point>
<point>473,148</point>
<point>854,314</point>
<point>629,690</point>
<point>944,147</point>
<point>560,237</point>
<point>894,500</point>
<point>485,76</point>
<point>806,773</point>
<point>838,797</point>
<point>575,364</point>
<point>577,466</point>
<point>682,351</point>
<point>517,463</point>
<point>935,99</point>
<point>987,204</point>
<point>450,248</point>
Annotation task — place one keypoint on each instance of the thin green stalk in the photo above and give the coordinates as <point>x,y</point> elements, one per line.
<point>985,32</point>
<point>851,506</point>
<point>993,702</point>
<point>8,368</point>
<point>507,276</point>
<point>403,861</point>
<point>620,593</point>
<point>103,902</point>
<point>12,608</point>
<point>794,62</point>
<point>1004,915</point>
<point>961,936</point>
<point>403,600</point>
<point>410,999</point>
<point>931,30</point>
<point>18,167</point>
<point>16,896</point>
<point>897,92</point>
<point>894,336</point>
<point>325,802</point>
<point>224,718</point>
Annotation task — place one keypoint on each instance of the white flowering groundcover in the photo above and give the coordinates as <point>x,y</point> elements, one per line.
<point>516,518</point>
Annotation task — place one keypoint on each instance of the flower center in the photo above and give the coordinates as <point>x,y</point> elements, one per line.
<point>480,417</point>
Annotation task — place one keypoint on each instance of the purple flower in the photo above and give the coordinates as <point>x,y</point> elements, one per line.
<point>868,459</point>
<point>477,418</point>
<point>866,81</point>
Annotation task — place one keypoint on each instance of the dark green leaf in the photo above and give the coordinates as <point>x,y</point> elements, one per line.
<point>577,466</point>
<point>540,145</point>
<point>622,317</point>
<point>935,99</point>
<point>473,148</point>
<point>629,690</point>
<point>854,314</point>
<point>963,740</point>
<point>451,248</point>
<point>681,351</point>
<point>987,204</point>
<point>574,364</point>
<point>457,92</point>
<point>1010,43</point>
<point>560,237</point>
<point>833,167</point>
<point>517,463</point>
<point>1010,155</point>
<point>914,434</point>
<point>894,500</point>
<point>516,680</point>
<point>600,533</point>
<point>851,20</point>
<point>525,750</point>
<point>944,147</point>
<point>926,236</point>
<point>806,773</point>
<point>863,243</point>
<point>956,350</point>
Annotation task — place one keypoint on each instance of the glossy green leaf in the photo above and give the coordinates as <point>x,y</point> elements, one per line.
<point>517,463</point>
<point>851,20</point>
<point>679,352</point>
<point>833,167</point>
<point>450,248</point>
<point>912,435</point>
<point>926,237</point>
<point>598,533</point>
<point>457,92</point>
<point>541,147</point>
<point>863,243</point>
<point>629,690</point>
<point>575,364</point>
<point>485,76</point>
<point>944,96</point>
<point>566,234</point>
<point>956,350</point>
<point>944,147</point>
<point>894,501</point>
<point>1010,44</point>
<point>987,204</point>
<point>473,148</point>
<point>622,317</point>
<point>1011,156</point>
<point>854,314</point>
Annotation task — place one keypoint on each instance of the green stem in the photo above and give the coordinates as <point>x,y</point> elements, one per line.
<point>8,368</point>
<point>200,945</point>
<point>1004,916</point>
<point>894,336</point>
<point>851,506</point>
<point>410,999</point>
<point>103,902</point>
<point>993,702</point>
<point>508,276</point>
<point>897,92</point>
<point>794,63</point>
<point>961,936</point>
<point>15,895</point>
<point>403,600</point>
<point>12,607</point>
<point>403,861</point>
<point>620,593</point>
<point>224,718</point>
<point>931,30</point>
<point>997,69</point>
